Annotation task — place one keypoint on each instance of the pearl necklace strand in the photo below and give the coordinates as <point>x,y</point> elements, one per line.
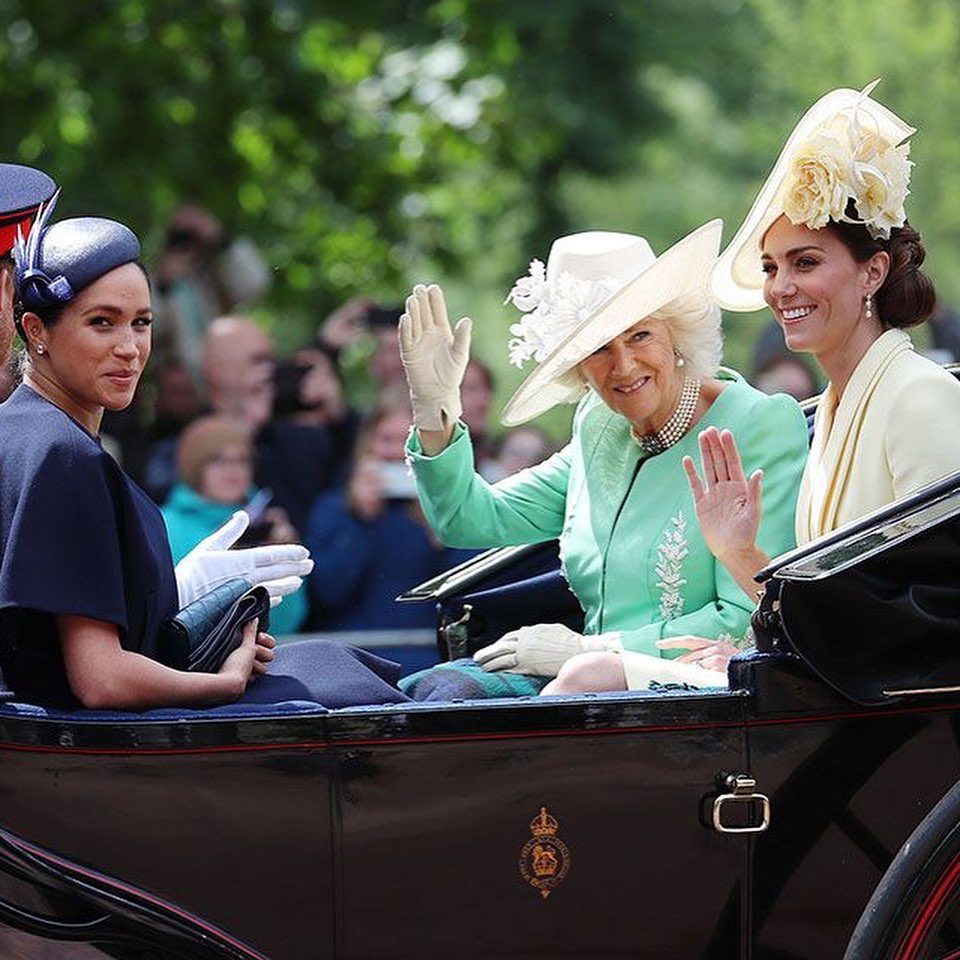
<point>678,424</point>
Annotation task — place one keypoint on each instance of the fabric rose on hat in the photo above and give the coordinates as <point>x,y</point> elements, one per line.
<point>880,184</point>
<point>849,158</point>
<point>817,186</point>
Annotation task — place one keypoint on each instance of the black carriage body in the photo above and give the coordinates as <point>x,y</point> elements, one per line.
<point>621,825</point>
<point>400,833</point>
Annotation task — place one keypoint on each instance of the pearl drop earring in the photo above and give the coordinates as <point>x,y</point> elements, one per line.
<point>868,306</point>
<point>680,361</point>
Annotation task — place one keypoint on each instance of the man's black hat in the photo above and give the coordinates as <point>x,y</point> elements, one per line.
<point>22,190</point>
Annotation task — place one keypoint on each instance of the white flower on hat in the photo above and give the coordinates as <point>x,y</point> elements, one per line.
<point>847,160</point>
<point>527,338</point>
<point>552,310</point>
<point>528,291</point>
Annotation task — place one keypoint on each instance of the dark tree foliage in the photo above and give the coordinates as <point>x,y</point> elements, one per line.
<point>353,140</point>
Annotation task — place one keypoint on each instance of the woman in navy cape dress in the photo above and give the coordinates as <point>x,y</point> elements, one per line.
<point>86,574</point>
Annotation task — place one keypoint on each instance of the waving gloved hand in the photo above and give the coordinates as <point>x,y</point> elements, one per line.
<point>434,358</point>
<point>278,567</point>
<point>540,649</point>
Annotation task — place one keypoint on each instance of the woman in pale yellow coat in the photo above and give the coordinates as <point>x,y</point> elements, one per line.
<point>828,248</point>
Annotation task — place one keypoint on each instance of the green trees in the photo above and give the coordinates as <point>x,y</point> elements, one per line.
<point>356,141</point>
<point>370,144</point>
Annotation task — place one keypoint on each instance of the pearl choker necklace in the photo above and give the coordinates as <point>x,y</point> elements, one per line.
<point>678,424</point>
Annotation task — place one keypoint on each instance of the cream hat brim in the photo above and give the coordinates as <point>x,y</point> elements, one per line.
<point>737,278</point>
<point>683,270</point>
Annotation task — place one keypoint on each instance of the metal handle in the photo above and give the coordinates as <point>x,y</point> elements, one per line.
<point>742,790</point>
<point>455,636</point>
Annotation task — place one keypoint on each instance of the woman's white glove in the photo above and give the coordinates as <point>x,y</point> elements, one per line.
<point>541,649</point>
<point>278,567</point>
<point>434,358</point>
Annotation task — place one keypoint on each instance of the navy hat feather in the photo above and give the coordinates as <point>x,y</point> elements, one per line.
<point>22,190</point>
<point>57,261</point>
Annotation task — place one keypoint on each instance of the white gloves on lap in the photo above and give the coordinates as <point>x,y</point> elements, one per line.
<point>541,649</point>
<point>278,567</point>
<point>434,359</point>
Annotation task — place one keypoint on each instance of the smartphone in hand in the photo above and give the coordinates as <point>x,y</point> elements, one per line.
<point>397,482</point>
<point>258,532</point>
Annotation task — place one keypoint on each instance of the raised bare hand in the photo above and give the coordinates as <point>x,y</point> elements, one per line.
<point>728,504</point>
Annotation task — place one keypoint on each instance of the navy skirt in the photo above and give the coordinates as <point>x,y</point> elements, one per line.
<point>326,673</point>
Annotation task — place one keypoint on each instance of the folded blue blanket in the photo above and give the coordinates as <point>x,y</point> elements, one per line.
<point>466,680</point>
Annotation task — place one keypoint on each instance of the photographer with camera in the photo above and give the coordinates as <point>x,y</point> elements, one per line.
<point>215,479</point>
<point>369,539</point>
<point>202,273</point>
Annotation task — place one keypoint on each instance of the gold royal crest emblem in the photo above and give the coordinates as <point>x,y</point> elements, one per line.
<point>544,859</point>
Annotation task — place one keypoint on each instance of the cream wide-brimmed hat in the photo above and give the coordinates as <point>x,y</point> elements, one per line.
<point>846,147</point>
<point>595,286</point>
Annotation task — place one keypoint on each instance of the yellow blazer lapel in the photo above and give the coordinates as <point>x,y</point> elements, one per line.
<point>837,430</point>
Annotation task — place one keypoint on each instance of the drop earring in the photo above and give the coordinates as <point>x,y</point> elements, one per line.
<point>868,306</point>
<point>680,361</point>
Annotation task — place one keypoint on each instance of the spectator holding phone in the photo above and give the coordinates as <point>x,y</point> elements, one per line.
<point>215,478</point>
<point>310,404</point>
<point>362,336</point>
<point>370,539</point>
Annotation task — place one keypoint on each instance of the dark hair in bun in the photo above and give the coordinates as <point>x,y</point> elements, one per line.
<point>907,296</point>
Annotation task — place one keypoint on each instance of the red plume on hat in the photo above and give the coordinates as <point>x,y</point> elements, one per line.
<point>22,190</point>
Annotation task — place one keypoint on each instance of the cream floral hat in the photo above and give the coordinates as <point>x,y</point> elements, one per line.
<point>594,286</point>
<point>846,160</point>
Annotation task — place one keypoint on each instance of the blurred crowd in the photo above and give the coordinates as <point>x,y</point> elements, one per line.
<point>222,423</point>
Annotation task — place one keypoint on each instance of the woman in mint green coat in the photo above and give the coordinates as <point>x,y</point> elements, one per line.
<point>635,339</point>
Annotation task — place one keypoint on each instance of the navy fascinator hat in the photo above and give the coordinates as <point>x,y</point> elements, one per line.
<point>56,262</point>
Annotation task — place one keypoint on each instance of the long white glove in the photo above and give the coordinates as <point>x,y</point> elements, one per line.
<point>434,359</point>
<point>541,649</point>
<point>278,567</point>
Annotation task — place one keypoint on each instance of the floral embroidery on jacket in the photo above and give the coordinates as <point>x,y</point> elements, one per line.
<point>671,552</point>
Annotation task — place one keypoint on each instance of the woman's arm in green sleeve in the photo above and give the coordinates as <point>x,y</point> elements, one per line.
<point>466,511</point>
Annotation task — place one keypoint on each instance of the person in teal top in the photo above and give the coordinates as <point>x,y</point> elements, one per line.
<point>215,470</point>
<point>635,339</point>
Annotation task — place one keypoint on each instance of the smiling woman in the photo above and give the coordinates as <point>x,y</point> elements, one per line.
<point>634,374</point>
<point>828,248</point>
<point>93,360</point>
<point>86,574</point>
<point>634,340</point>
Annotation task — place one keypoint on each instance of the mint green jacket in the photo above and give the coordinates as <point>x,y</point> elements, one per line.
<point>630,545</point>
